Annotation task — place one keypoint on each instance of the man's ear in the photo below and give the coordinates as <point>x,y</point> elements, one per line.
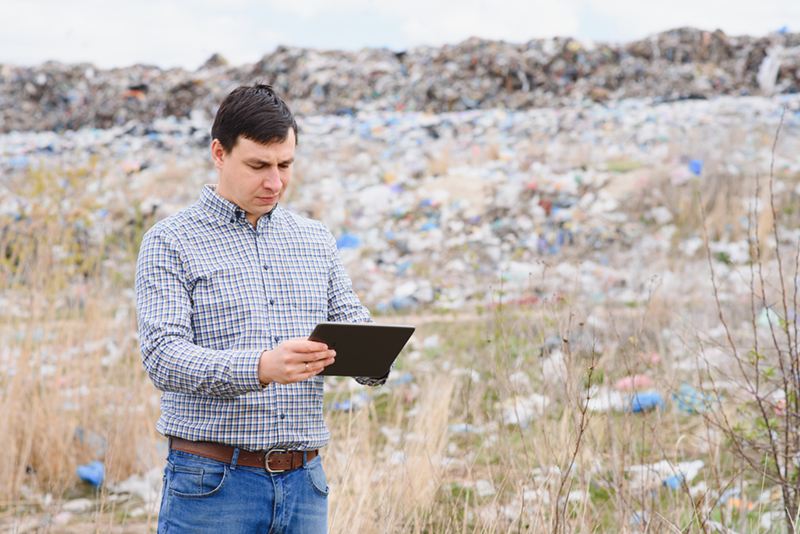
<point>218,153</point>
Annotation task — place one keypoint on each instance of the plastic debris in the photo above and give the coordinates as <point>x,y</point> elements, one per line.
<point>768,317</point>
<point>554,368</point>
<point>397,379</point>
<point>484,488</point>
<point>640,519</point>
<point>348,241</point>
<point>664,474</point>
<point>421,220</point>
<point>63,518</point>
<point>605,400</point>
<point>77,506</point>
<point>696,166</point>
<point>673,65</point>
<point>93,473</point>
<point>768,519</point>
<point>522,410</point>
<point>634,382</point>
<point>355,402</point>
<point>693,401</point>
<point>146,486</point>
<point>431,342</point>
<point>91,439</point>
<point>719,528</point>
<point>727,495</point>
<point>404,304</point>
<point>641,402</point>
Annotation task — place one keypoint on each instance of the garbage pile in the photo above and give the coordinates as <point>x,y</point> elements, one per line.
<point>679,64</point>
<point>458,209</point>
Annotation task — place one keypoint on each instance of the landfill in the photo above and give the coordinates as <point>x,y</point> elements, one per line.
<point>478,177</point>
<point>684,63</point>
<point>437,211</point>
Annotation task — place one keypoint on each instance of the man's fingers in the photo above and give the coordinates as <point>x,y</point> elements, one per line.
<point>305,346</point>
<point>327,358</point>
<point>312,356</point>
<point>316,367</point>
<point>322,355</point>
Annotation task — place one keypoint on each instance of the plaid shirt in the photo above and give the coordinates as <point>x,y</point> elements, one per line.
<point>212,293</point>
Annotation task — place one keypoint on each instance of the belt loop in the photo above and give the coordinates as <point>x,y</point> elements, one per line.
<point>235,458</point>
<point>305,458</point>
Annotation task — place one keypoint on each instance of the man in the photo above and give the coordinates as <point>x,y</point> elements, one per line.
<point>227,292</point>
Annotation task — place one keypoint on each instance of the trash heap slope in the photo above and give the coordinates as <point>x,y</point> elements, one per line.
<point>433,210</point>
<point>679,64</point>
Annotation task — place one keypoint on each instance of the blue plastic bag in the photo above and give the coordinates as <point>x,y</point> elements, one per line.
<point>674,482</point>
<point>646,401</point>
<point>693,401</point>
<point>348,241</point>
<point>696,166</point>
<point>95,472</point>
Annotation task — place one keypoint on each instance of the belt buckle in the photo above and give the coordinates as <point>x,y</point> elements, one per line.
<point>266,461</point>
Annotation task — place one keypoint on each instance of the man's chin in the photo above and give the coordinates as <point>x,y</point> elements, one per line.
<point>265,208</point>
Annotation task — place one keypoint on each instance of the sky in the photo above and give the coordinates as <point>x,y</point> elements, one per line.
<point>184,33</point>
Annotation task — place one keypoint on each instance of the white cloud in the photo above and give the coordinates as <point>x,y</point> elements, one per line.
<point>734,17</point>
<point>439,22</point>
<point>165,33</point>
<point>436,22</point>
<point>185,32</point>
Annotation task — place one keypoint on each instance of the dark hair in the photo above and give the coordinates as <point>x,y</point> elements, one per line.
<point>255,113</point>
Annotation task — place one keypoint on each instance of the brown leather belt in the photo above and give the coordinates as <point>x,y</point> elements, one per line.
<point>274,461</point>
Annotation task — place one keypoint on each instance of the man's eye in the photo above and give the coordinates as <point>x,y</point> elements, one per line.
<point>257,167</point>
<point>284,165</point>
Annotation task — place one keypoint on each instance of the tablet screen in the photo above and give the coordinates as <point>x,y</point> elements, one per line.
<point>362,349</point>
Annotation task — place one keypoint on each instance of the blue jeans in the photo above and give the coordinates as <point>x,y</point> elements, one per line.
<point>206,496</point>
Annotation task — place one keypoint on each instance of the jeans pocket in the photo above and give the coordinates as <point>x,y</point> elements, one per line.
<point>316,475</point>
<point>197,482</point>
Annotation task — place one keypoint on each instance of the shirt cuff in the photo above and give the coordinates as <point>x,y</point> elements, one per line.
<point>247,371</point>
<point>374,382</point>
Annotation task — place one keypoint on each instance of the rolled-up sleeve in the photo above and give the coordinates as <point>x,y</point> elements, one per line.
<point>164,308</point>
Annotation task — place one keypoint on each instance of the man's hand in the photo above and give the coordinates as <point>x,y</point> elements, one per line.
<point>294,360</point>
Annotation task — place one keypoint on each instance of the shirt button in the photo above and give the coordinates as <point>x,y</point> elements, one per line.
<point>272,301</point>
<point>283,416</point>
<point>266,267</point>
<point>277,339</point>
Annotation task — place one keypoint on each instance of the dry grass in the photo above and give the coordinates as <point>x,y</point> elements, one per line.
<point>394,466</point>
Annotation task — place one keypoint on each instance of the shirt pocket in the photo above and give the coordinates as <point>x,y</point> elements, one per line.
<point>308,291</point>
<point>308,299</point>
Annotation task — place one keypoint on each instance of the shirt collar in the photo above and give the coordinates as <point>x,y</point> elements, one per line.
<point>222,208</point>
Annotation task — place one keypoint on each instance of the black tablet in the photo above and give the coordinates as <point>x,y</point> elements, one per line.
<point>362,349</point>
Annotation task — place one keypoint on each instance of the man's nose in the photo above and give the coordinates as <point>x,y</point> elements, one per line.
<point>271,179</point>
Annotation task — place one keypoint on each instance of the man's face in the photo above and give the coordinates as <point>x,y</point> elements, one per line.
<point>254,176</point>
